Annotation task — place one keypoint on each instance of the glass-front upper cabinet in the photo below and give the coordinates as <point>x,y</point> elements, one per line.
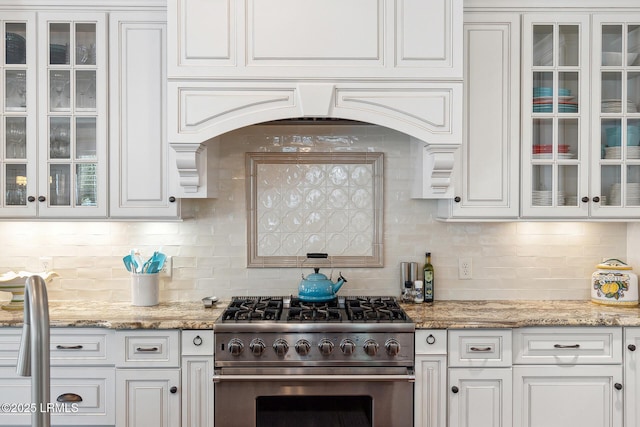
<point>73,110</point>
<point>555,114</point>
<point>616,116</point>
<point>18,118</point>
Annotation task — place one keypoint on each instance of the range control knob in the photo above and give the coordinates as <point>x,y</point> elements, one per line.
<point>347,346</point>
<point>257,347</point>
<point>235,347</point>
<point>371,347</point>
<point>392,346</point>
<point>281,347</point>
<point>303,347</point>
<point>325,346</point>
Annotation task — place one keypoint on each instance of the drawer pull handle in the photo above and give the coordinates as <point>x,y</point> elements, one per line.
<point>68,347</point>
<point>147,349</point>
<point>431,339</point>
<point>197,340</point>
<point>69,398</point>
<point>566,346</point>
<point>481,349</point>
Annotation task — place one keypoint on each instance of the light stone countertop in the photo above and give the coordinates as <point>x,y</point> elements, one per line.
<point>439,315</point>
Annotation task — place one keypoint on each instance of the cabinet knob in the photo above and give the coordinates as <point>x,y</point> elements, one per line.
<point>631,347</point>
<point>197,340</point>
<point>618,386</point>
<point>455,389</point>
<point>457,199</point>
<point>596,199</point>
<point>172,199</point>
<point>431,339</point>
<point>41,198</point>
<point>31,199</point>
<point>585,199</point>
<point>173,390</point>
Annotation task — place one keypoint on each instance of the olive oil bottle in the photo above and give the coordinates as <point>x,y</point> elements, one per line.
<point>428,279</point>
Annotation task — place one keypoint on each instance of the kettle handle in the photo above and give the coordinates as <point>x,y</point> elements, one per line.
<point>317,255</point>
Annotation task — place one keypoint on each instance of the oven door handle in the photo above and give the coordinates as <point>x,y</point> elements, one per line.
<point>369,378</point>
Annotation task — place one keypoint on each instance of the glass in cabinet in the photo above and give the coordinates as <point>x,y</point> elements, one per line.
<point>616,119</point>
<point>75,108</point>
<point>17,117</point>
<point>555,115</point>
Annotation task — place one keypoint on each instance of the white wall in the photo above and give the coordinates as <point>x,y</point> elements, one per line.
<point>510,260</point>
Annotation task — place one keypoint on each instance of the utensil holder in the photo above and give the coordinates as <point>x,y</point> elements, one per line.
<point>145,289</point>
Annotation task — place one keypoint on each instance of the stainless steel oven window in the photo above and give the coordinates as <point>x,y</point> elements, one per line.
<point>314,411</point>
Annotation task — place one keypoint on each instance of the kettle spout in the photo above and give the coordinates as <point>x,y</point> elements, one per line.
<point>341,281</point>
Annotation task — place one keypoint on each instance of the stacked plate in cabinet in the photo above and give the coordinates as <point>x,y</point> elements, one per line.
<point>543,100</point>
<point>633,152</point>
<point>633,194</point>
<point>545,151</point>
<point>615,106</point>
<point>545,198</point>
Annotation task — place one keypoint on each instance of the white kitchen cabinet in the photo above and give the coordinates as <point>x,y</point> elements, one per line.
<point>555,115</point>
<point>82,361</point>
<point>487,175</point>
<point>480,397</point>
<point>197,374</point>
<point>148,389</point>
<point>148,397</point>
<point>568,376</point>
<point>54,115</point>
<point>615,125</point>
<point>141,167</point>
<point>479,392</point>
<point>631,376</point>
<point>431,378</point>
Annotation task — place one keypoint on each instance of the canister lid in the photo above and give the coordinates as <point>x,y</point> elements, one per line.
<point>614,264</point>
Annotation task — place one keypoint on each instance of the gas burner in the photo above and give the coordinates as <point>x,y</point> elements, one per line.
<point>374,309</point>
<point>314,312</point>
<point>253,308</point>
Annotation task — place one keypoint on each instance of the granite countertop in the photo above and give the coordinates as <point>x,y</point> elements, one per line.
<point>439,315</point>
<point>122,315</point>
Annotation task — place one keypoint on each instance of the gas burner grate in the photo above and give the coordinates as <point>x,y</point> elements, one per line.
<point>302,311</point>
<point>253,308</point>
<point>374,309</point>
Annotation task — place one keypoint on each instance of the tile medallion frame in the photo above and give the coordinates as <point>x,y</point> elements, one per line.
<point>298,203</point>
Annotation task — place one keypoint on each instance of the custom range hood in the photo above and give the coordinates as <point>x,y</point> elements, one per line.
<point>393,63</point>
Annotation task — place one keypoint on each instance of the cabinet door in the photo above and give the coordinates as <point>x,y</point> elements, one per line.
<point>487,182</point>
<point>569,395</point>
<point>197,398</point>
<point>72,112</point>
<point>140,184</point>
<point>616,117</point>
<point>555,115</point>
<point>148,397</point>
<point>18,114</point>
<point>430,391</point>
<point>480,397</point>
<point>631,377</point>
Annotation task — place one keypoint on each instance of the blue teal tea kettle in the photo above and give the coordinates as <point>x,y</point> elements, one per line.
<point>317,287</point>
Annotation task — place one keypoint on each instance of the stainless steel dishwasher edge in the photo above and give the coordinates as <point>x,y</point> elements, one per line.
<point>34,357</point>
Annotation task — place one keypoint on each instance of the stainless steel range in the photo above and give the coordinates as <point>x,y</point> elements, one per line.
<point>280,361</point>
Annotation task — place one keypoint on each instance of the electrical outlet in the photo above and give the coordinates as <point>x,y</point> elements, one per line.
<point>46,263</point>
<point>167,268</point>
<point>465,268</point>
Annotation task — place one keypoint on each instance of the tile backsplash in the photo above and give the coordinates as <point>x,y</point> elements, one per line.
<point>513,260</point>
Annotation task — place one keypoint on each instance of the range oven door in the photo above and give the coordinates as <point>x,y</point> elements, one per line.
<point>353,397</point>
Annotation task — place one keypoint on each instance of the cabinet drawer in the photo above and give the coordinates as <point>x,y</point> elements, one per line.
<point>431,341</point>
<point>197,343</point>
<point>567,345</point>
<point>480,347</point>
<point>95,386</point>
<point>157,348</point>
<point>71,346</point>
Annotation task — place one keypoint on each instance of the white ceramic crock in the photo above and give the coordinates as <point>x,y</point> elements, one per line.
<point>614,284</point>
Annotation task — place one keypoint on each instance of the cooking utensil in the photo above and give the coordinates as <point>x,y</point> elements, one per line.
<point>128,263</point>
<point>317,287</point>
